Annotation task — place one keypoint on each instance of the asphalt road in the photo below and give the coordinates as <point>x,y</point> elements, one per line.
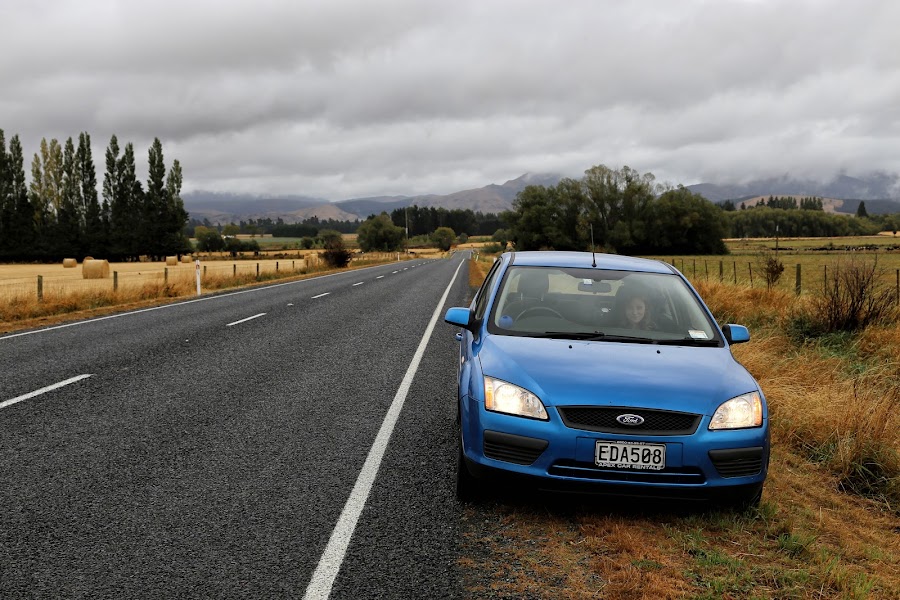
<point>215,443</point>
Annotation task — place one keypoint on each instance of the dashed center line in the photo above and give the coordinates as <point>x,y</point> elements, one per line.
<point>380,277</point>
<point>43,390</point>
<point>392,272</point>
<point>245,320</point>
<point>321,295</point>
<point>356,284</point>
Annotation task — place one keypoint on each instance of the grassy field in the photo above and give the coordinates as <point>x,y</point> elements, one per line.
<point>829,523</point>
<point>65,294</point>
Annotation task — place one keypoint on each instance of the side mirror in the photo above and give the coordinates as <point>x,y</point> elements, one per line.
<point>461,317</point>
<point>736,334</point>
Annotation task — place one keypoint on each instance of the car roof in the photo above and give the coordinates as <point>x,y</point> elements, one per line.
<point>615,262</point>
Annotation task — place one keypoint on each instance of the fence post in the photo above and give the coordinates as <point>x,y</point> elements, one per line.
<point>695,267</point>
<point>40,288</point>
<point>750,268</point>
<point>115,281</point>
<point>735,272</point>
<point>204,271</point>
<point>721,270</point>
<point>276,266</point>
<point>706,268</point>
<point>234,270</point>
<point>799,284</point>
<point>166,275</point>
<point>898,286</point>
<point>825,278</point>
<point>257,270</point>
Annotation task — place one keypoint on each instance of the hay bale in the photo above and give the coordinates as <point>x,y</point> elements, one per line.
<point>187,259</point>
<point>171,261</point>
<point>69,263</point>
<point>95,269</point>
<point>87,258</point>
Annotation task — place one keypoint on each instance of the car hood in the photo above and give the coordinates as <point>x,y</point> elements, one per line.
<point>569,372</point>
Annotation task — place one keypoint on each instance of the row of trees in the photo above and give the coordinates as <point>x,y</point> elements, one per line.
<point>425,220</point>
<point>59,213</point>
<point>768,222</point>
<point>615,209</point>
<point>782,202</point>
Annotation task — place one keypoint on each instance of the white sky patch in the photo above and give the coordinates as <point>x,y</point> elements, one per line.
<point>345,98</point>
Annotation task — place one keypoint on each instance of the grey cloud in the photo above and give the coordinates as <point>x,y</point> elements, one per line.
<point>337,98</point>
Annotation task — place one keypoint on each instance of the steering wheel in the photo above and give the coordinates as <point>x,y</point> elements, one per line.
<point>537,309</point>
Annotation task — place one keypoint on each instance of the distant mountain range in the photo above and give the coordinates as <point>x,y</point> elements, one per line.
<point>880,191</point>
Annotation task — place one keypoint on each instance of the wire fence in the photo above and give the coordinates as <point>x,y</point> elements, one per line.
<point>128,279</point>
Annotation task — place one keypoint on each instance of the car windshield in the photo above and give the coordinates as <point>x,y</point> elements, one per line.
<point>596,304</point>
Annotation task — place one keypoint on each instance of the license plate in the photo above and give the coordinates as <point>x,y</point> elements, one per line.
<point>630,455</point>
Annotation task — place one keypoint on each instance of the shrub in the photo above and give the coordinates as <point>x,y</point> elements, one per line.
<point>854,297</point>
<point>336,255</point>
<point>772,269</point>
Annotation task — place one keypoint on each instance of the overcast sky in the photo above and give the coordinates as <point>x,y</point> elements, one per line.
<point>349,98</point>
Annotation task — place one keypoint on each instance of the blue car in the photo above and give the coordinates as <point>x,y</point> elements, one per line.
<point>597,373</point>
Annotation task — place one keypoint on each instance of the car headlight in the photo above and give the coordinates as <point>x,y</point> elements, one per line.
<point>503,397</point>
<point>740,412</point>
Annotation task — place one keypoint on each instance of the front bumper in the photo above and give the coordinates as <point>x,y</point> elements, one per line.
<point>548,455</point>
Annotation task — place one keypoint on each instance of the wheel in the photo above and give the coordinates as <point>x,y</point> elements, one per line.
<point>467,487</point>
<point>541,309</point>
<point>742,502</point>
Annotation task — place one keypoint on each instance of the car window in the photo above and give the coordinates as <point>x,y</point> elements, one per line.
<point>483,294</point>
<point>542,300</point>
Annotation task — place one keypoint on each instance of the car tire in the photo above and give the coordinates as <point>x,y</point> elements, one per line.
<point>467,487</point>
<point>743,502</point>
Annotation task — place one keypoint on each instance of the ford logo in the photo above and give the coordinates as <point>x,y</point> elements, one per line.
<point>631,420</point>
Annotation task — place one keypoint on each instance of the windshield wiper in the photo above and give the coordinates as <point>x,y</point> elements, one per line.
<point>593,336</point>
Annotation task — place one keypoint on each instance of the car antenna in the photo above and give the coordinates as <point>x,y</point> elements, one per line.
<point>593,256</point>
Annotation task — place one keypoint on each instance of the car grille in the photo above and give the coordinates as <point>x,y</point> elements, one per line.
<point>669,475</point>
<point>744,462</point>
<point>603,419</point>
<point>516,449</point>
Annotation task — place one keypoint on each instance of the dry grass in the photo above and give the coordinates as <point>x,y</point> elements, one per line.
<point>140,285</point>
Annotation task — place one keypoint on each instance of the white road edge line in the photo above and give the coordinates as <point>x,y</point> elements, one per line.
<point>320,295</point>
<point>245,320</point>
<point>44,390</point>
<point>330,563</point>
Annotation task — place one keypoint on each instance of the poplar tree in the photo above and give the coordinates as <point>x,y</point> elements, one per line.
<point>155,206</point>
<point>67,235</point>
<point>95,234</point>
<point>177,215</point>
<point>22,230</point>
<point>132,198</point>
<point>6,206</point>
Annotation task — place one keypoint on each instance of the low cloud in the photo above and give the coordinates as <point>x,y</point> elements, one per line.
<point>338,99</point>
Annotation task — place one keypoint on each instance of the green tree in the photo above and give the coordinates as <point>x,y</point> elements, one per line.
<point>861,210</point>
<point>443,237</point>
<point>22,233</point>
<point>6,201</point>
<point>682,222</point>
<point>69,227</point>
<point>380,234</point>
<point>132,193</point>
<point>330,237</point>
<point>208,239</point>
<point>95,216</point>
